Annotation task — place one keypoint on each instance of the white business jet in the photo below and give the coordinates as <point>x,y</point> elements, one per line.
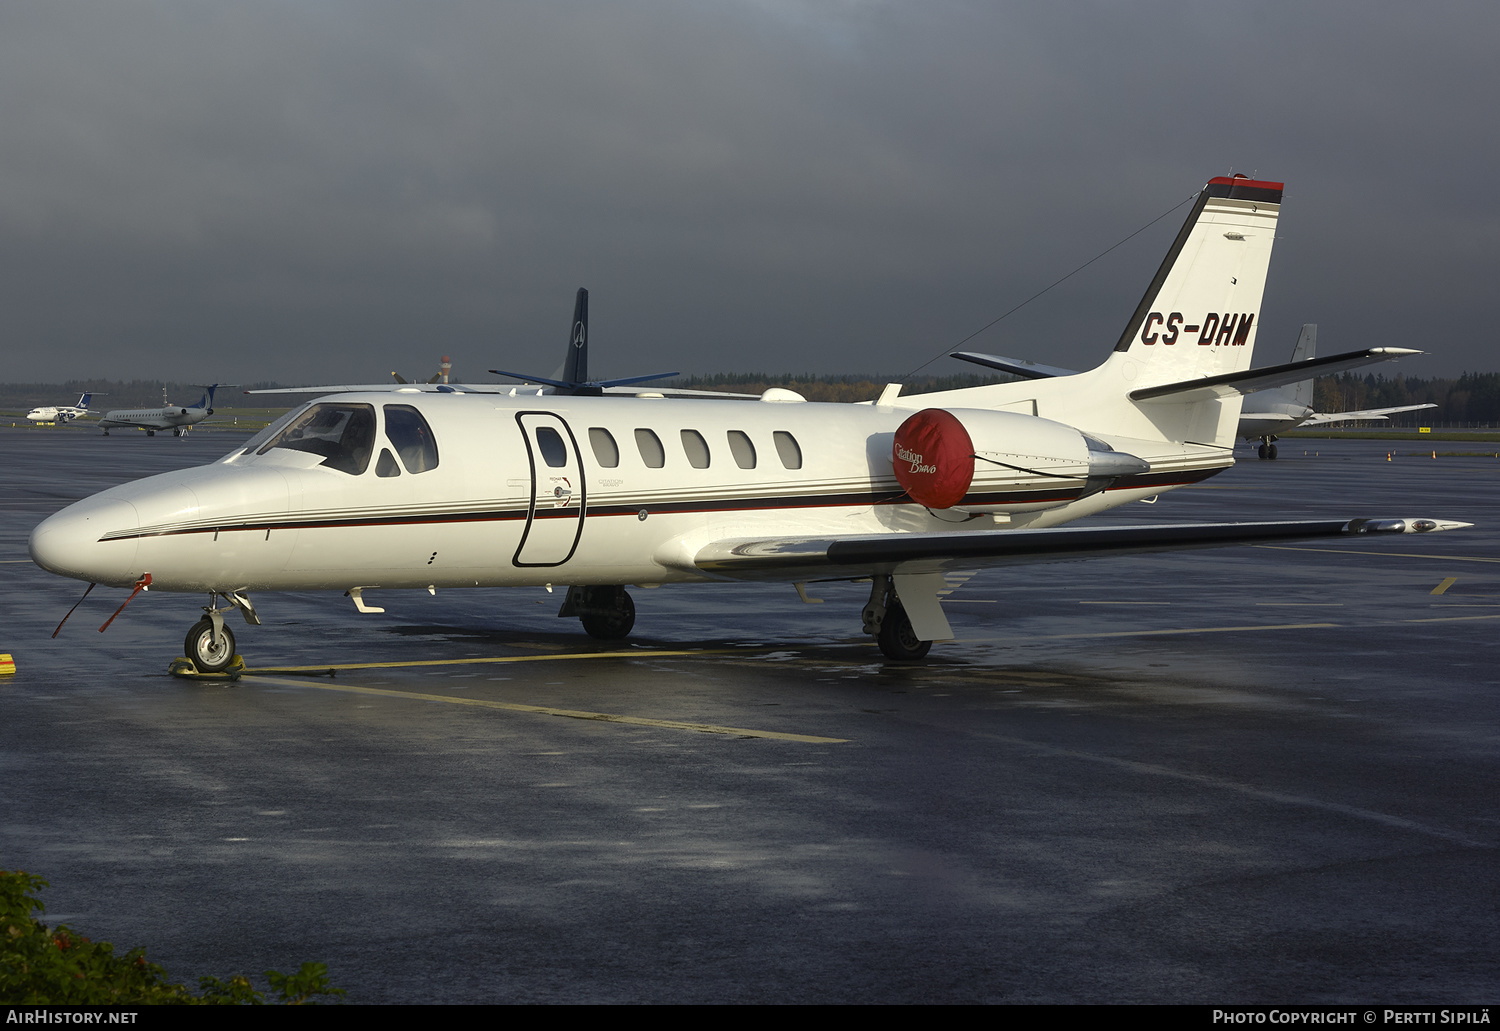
<point>61,413</point>
<point>454,486</point>
<point>1269,413</point>
<point>177,418</point>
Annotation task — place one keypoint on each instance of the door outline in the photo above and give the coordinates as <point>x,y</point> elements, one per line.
<point>581,492</point>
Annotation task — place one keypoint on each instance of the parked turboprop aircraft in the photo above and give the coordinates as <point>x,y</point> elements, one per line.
<point>177,418</point>
<point>1269,413</point>
<point>450,486</point>
<point>1279,399</point>
<point>61,413</point>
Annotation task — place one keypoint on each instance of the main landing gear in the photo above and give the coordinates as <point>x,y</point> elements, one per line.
<point>1267,450</point>
<point>607,613</point>
<point>886,620</point>
<point>210,644</point>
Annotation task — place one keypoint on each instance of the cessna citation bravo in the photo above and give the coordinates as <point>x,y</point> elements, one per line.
<point>470,486</point>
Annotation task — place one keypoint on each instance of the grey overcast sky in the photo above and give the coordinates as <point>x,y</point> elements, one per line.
<point>314,190</point>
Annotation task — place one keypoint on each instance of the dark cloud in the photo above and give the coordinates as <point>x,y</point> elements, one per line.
<point>317,192</point>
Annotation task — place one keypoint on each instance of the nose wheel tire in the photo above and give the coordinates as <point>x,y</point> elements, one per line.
<point>208,654</point>
<point>898,640</point>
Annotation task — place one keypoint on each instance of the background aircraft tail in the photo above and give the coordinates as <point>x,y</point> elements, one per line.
<point>1307,347</point>
<point>83,401</point>
<point>576,365</point>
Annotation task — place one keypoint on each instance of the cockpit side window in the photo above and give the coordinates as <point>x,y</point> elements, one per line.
<point>344,434</point>
<point>412,438</point>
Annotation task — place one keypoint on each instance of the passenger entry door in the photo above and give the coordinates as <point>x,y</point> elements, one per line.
<point>554,520</point>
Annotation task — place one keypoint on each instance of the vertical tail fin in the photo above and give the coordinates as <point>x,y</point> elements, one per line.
<point>83,401</point>
<point>576,364</point>
<point>1197,319</point>
<point>1307,347</point>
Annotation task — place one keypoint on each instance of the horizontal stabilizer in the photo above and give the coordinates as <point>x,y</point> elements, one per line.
<point>1372,413</point>
<point>838,557</point>
<point>1014,366</point>
<point>1251,380</point>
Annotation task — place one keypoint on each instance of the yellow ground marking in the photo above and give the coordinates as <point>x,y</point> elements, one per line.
<point>1361,552</point>
<point>1442,588</point>
<point>14,561</point>
<point>1450,619</point>
<point>547,710</point>
<point>488,659</point>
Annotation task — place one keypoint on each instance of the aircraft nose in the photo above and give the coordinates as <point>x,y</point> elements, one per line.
<point>80,542</point>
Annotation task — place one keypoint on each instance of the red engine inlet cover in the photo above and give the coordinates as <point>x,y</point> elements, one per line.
<point>934,458</point>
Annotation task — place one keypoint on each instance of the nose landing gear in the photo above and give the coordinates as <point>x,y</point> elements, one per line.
<point>210,644</point>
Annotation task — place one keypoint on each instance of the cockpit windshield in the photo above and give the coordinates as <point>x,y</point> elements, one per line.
<point>253,444</point>
<point>344,434</point>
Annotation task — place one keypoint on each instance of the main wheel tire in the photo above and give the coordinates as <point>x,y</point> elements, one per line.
<point>897,639</point>
<point>207,654</point>
<point>612,626</point>
<point>1261,454</point>
<point>1271,452</point>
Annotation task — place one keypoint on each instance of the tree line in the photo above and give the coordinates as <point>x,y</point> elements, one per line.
<point>1473,397</point>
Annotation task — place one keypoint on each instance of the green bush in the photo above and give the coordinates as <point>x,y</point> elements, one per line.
<point>58,966</point>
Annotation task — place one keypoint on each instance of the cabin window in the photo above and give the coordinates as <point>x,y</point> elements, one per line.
<point>344,434</point>
<point>742,450</point>
<point>696,449</point>
<point>412,438</point>
<point>649,445</point>
<point>550,443</point>
<point>386,465</point>
<point>606,451</point>
<point>787,449</point>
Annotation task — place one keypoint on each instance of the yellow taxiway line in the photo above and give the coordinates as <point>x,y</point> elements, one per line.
<point>547,710</point>
<point>321,667</point>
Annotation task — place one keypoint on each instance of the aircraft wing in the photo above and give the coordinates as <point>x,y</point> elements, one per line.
<point>390,388</point>
<point>1271,376</point>
<point>850,557</point>
<point>1372,413</point>
<point>482,388</point>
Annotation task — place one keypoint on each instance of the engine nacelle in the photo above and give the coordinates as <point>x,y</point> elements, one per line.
<point>981,461</point>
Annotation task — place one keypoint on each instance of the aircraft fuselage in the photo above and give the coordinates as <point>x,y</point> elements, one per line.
<point>575,490</point>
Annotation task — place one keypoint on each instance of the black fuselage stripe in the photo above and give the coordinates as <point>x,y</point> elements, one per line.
<point>1145,480</point>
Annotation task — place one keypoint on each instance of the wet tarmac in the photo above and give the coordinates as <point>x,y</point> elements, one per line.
<point>1245,775</point>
